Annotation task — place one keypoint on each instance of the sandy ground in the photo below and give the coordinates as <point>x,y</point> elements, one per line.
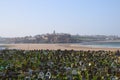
<point>55,47</point>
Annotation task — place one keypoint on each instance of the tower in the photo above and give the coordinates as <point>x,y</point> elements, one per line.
<point>54,32</point>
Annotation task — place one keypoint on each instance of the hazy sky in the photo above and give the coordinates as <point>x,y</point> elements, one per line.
<point>85,17</point>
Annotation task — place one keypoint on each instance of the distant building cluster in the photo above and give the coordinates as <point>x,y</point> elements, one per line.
<point>44,38</point>
<point>58,38</point>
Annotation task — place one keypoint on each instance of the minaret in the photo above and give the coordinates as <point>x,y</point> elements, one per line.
<point>54,32</point>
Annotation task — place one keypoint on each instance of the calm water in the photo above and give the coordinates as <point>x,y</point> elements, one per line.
<point>103,44</point>
<point>2,47</point>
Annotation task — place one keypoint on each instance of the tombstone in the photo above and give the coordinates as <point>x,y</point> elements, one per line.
<point>1,74</point>
<point>27,76</point>
<point>80,63</point>
<point>41,75</point>
<point>69,77</point>
<point>68,68</point>
<point>112,78</point>
<point>47,75</point>
<point>83,68</point>
<point>74,72</point>
<point>30,72</point>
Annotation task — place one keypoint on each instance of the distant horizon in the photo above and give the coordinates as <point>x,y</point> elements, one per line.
<point>60,33</point>
<point>20,18</point>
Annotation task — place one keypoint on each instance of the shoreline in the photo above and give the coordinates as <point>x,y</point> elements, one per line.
<point>56,47</point>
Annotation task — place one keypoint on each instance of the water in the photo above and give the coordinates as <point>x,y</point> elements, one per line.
<point>102,44</point>
<point>2,47</point>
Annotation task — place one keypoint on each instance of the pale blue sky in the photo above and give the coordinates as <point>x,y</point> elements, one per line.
<point>84,17</point>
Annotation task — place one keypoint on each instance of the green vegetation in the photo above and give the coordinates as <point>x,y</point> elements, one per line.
<point>59,65</point>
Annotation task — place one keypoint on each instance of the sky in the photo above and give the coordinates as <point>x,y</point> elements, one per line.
<point>85,17</point>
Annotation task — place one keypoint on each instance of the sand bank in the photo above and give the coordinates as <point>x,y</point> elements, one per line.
<point>56,46</point>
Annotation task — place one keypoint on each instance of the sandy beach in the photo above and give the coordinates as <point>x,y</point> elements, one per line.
<point>55,47</point>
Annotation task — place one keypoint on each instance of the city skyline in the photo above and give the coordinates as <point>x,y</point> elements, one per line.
<point>27,17</point>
